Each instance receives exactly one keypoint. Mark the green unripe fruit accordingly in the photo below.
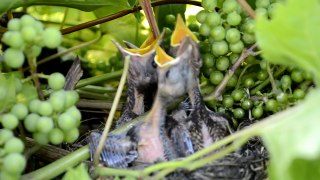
(41, 138)
(45, 124)
(222, 63)
(34, 105)
(9, 121)
(218, 33)
(234, 19)
(14, 163)
(236, 47)
(14, 24)
(233, 35)
(209, 4)
(31, 121)
(45, 108)
(14, 145)
(52, 37)
(19, 110)
(238, 113)
(216, 77)
(66, 121)
(201, 16)
(56, 136)
(56, 81)
(257, 112)
(14, 58)
(213, 19)
(71, 136)
(219, 48)
(5, 135)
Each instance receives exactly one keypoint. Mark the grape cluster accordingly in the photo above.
(26, 36)
(13, 162)
(56, 119)
(225, 30)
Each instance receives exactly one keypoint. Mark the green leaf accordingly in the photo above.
(79, 173)
(84, 5)
(28, 93)
(7, 92)
(292, 37)
(293, 141)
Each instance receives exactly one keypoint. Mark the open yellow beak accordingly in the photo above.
(180, 32)
(148, 45)
(162, 58)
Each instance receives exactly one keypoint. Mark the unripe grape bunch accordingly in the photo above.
(25, 37)
(225, 31)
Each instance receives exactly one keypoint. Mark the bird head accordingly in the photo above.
(174, 74)
(142, 68)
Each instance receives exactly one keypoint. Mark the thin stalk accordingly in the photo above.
(98, 79)
(56, 168)
(66, 10)
(103, 171)
(112, 111)
(220, 88)
(247, 8)
(33, 71)
(271, 78)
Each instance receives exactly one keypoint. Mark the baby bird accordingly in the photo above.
(141, 79)
(173, 76)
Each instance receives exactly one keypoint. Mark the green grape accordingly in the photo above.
(213, 19)
(71, 136)
(41, 138)
(263, 64)
(72, 98)
(233, 35)
(233, 19)
(45, 108)
(31, 121)
(13, 39)
(262, 12)
(297, 76)
(193, 27)
(257, 112)
(28, 33)
(227, 101)
(208, 60)
(14, 145)
(57, 100)
(52, 37)
(45, 124)
(251, 60)
(307, 76)
(232, 81)
(14, 58)
(285, 82)
(216, 77)
(209, 4)
(229, 6)
(27, 20)
(34, 105)
(248, 38)
(56, 81)
(34, 51)
(219, 48)
(218, 33)
(236, 47)
(262, 3)
(14, 24)
(201, 16)
(38, 27)
(75, 113)
(205, 46)
(14, 163)
(56, 136)
(204, 30)
(246, 104)
(222, 63)
(248, 82)
(19, 110)
(206, 72)
(262, 75)
(5, 135)
(170, 19)
(282, 98)
(9, 121)
(298, 94)
(66, 121)
(272, 105)
(234, 58)
(238, 113)
(248, 26)
(237, 94)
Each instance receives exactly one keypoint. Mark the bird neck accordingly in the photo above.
(195, 95)
(157, 113)
(134, 100)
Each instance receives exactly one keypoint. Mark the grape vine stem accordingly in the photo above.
(124, 13)
(247, 8)
(219, 89)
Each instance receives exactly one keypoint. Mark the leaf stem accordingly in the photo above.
(33, 71)
(247, 8)
(112, 111)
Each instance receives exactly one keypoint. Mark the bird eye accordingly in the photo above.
(153, 63)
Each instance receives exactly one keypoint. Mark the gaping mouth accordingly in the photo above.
(147, 46)
(162, 58)
(180, 32)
